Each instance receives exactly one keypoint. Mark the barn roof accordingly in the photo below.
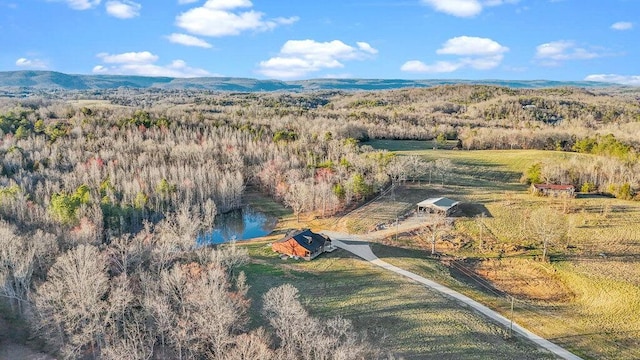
(440, 203)
(307, 239)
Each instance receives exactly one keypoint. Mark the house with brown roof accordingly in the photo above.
(304, 243)
(553, 190)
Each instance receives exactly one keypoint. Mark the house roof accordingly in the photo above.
(553, 187)
(440, 203)
(307, 239)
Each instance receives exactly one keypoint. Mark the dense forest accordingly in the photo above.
(103, 193)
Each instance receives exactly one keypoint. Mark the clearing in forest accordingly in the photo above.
(586, 299)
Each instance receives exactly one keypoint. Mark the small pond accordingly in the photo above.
(241, 224)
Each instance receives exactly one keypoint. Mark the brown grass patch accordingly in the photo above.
(525, 279)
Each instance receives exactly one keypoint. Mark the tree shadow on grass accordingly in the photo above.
(474, 209)
(398, 314)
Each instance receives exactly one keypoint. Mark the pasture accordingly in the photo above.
(587, 298)
(396, 313)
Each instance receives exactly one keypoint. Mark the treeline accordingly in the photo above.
(604, 175)
(144, 152)
(606, 145)
(118, 167)
(173, 149)
(154, 295)
(481, 116)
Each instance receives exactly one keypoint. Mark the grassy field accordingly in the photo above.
(587, 298)
(397, 314)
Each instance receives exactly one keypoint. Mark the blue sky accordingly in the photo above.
(299, 39)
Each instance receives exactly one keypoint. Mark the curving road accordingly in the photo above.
(359, 247)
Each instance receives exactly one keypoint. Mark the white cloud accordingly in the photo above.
(469, 45)
(464, 8)
(483, 63)
(298, 58)
(622, 25)
(224, 18)
(338, 76)
(417, 66)
(336, 49)
(633, 80)
(555, 52)
(286, 21)
(32, 64)
(143, 63)
(188, 40)
(80, 4)
(227, 4)
(142, 57)
(123, 9)
(473, 52)
(499, 2)
(460, 8)
(366, 48)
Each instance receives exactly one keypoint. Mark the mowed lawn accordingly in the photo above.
(395, 313)
(587, 298)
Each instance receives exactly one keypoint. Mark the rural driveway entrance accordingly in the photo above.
(360, 248)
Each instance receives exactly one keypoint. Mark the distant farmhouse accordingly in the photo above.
(553, 190)
(440, 205)
(304, 243)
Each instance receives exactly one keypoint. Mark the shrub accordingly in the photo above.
(588, 187)
(64, 207)
(625, 192)
(533, 175)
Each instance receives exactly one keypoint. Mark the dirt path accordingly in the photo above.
(360, 247)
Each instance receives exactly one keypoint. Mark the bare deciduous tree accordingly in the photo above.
(548, 228)
(70, 305)
(443, 167)
(251, 346)
(17, 261)
(303, 337)
(437, 222)
(296, 197)
(399, 169)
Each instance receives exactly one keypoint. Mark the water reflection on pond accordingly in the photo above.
(242, 224)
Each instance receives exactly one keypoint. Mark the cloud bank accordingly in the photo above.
(556, 52)
(188, 40)
(123, 9)
(80, 4)
(622, 25)
(298, 58)
(633, 80)
(144, 63)
(35, 64)
(217, 18)
(472, 52)
(464, 8)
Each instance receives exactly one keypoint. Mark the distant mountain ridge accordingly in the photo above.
(51, 80)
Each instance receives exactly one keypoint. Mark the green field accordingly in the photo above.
(395, 313)
(587, 298)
